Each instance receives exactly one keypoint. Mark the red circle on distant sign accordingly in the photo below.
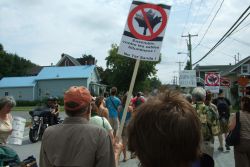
(142, 7)
(215, 83)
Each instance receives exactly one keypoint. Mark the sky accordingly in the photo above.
(41, 31)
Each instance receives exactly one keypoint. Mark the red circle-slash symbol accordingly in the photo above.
(152, 33)
(212, 79)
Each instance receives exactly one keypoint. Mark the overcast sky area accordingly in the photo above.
(42, 30)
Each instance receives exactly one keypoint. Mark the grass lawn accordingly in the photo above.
(29, 108)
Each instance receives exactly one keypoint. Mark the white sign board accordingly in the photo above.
(187, 78)
(144, 31)
(18, 126)
(212, 82)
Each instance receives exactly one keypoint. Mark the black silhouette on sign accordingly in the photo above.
(153, 20)
(212, 79)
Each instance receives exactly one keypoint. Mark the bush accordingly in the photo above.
(28, 103)
(37, 102)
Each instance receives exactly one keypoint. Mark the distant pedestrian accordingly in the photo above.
(127, 120)
(138, 100)
(112, 103)
(203, 112)
(165, 132)
(213, 116)
(188, 97)
(7, 155)
(6, 104)
(100, 103)
(223, 106)
(242, 151)
(97, 119)
(75, 142)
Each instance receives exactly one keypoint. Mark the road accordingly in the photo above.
(222, 159)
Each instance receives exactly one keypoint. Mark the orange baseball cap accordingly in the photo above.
(79, 95)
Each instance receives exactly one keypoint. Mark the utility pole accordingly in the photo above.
(237, 58)
(180, 64)
(189, 46)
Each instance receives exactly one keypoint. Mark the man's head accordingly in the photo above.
(199, 94)
(221, 93)
(208, 97)
(77, 101)
(113, 91)
(139, 94)
(51, 101)
(165, 132)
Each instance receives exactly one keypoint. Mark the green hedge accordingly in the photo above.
(36, 102)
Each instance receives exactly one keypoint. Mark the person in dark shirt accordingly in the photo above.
(223, 106)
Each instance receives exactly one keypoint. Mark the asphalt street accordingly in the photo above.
(222, 159)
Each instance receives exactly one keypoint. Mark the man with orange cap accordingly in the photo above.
(75, 142)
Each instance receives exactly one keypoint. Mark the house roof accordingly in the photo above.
(72, 59)
(239, 63)
(54, 72)
(34, 70)
(17, 82)
(219, 68)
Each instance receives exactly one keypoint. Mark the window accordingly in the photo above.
(6, 93)
(245, 69)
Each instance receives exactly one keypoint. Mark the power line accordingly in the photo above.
(210, 24)
(196, 13)
(190, 6)
(207, 17)
(227, 34)
(226, 54)
(241, 42)
(241, 28)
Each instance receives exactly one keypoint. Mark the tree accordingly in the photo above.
(188, 66)
(1, 48)
(13, 65)
(87, 60)
(120, 69)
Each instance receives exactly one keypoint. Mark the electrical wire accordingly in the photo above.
(210, 13)
(227, 34)
(196, 13)
(226, 54)
(187, 19)
(209, 25)
(241, 42)
(241, 28)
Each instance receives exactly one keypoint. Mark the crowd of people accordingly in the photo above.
(168, 130)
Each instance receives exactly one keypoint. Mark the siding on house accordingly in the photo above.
(52, 81)
(56, 87)
(19, 93)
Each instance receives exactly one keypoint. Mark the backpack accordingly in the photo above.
(214, 119)
(204, 116)
(138, 102)
(223, 108)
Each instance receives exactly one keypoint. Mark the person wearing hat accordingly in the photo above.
(75, 142)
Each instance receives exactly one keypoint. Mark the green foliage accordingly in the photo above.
(28, 103)
(13, 65)
(87, 59)
(120, 69)
(188, 66)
